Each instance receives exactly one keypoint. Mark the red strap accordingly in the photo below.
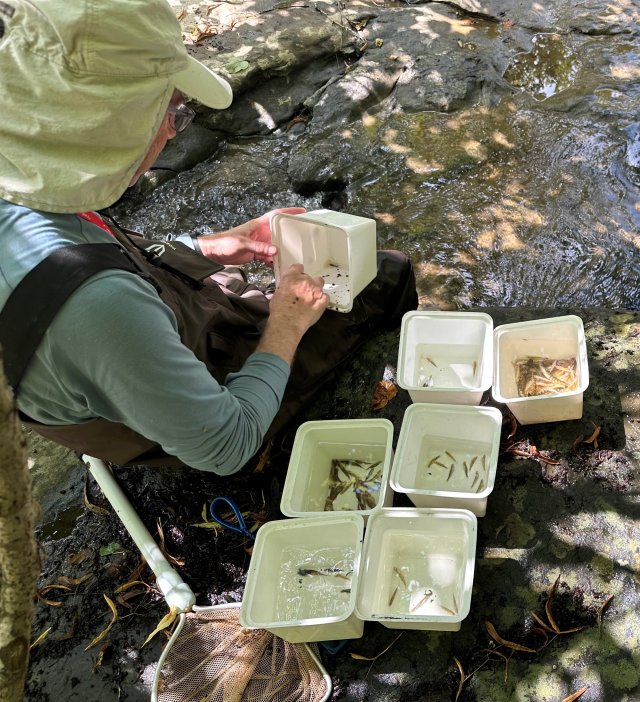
(95, 219)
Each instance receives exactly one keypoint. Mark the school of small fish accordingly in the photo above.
(362, 478)
(539, 375)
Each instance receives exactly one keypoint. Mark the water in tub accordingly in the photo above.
(446, 366)
(422, 574)
(453, 466)
(315, 583)
(337, 285)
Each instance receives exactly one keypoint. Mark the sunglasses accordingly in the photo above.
(181, 117)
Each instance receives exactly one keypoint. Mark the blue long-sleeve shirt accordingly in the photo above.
(113, 351)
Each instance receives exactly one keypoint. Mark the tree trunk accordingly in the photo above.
(18, 555)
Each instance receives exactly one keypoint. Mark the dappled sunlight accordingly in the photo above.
(475, 149)
(502, 140)
(423, 167)
(264, 116)
(486, 238)
(385, 217)
(346, 134)
(625, 71)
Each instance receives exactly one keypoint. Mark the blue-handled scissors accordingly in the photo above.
(225, 503)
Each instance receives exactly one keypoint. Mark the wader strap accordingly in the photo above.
(40, 295)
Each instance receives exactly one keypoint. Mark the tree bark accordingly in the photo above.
(18, 554)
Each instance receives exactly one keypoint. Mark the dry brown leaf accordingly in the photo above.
(601, 609)
(40, 638)
(576, 695)
(72, 630)
(514, 428)
(66, 580)
(494, 651)
(547, 607)
(578, 440)
(264, 457)
(179, 562)
(166, 621)
(503, 642)
(52, 603)
(383, 392)
(89, 505)
(79, 556)
(542, 623)
(130, 584)
(100, 656)
(593, 438)
(114, 619)
(463, 677)
(358, 657)
(181, 13)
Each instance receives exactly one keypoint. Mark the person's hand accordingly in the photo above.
(296, 305)
(250, 241)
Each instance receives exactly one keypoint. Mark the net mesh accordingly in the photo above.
(215, 659)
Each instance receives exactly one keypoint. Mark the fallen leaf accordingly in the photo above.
(601, 609)
(463, 677)
(52, 603)
(542, 623)
(66, 580)
(236, 66)
(89, 505)
(79, 556)
(180, 14)
(130, 584)
(110, 549)
(514, 428)
(379, 42)
(166, 621)
(264, 457)
(593, 438)
(493, 651)
(40, 638)
(100, 657)
(547, 609)
(384, 391)
(503, 642)
(358, 657)
(576, 695)
(114, 619)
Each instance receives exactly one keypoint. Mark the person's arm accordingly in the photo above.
(118, 352)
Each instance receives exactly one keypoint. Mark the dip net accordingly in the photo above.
(212, 658)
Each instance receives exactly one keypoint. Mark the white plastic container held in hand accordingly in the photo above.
(541, 369)
(339, 465)
(303, 578)
(339, 247)
(417, 568)
(447, 456)
(446, 356)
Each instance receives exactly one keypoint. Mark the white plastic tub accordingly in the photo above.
(322, 450)
(339, 247)
(446, 356)
(417, 568)
(302, 579)
(447, 456)
(553, 338)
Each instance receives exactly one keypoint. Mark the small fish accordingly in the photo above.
(473, 460)
(393, 596)
(309, 571)
(466, 469)
(450, 456)
(400, 574)
(481, 486)
(475, 477)
(484, 462)
(424, 600)
(455, 602)
(433, 460)
(426, 358)
(347, 590)
(428, 382)
(475, 366)
(437, 463)
(450, 471)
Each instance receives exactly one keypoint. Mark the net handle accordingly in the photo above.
(176, 592)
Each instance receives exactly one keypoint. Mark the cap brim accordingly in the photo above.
(199, 82)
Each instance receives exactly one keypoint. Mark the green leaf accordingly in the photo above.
(110, 549)
(236, 66)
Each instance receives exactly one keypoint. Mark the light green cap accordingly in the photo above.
(85, 85)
